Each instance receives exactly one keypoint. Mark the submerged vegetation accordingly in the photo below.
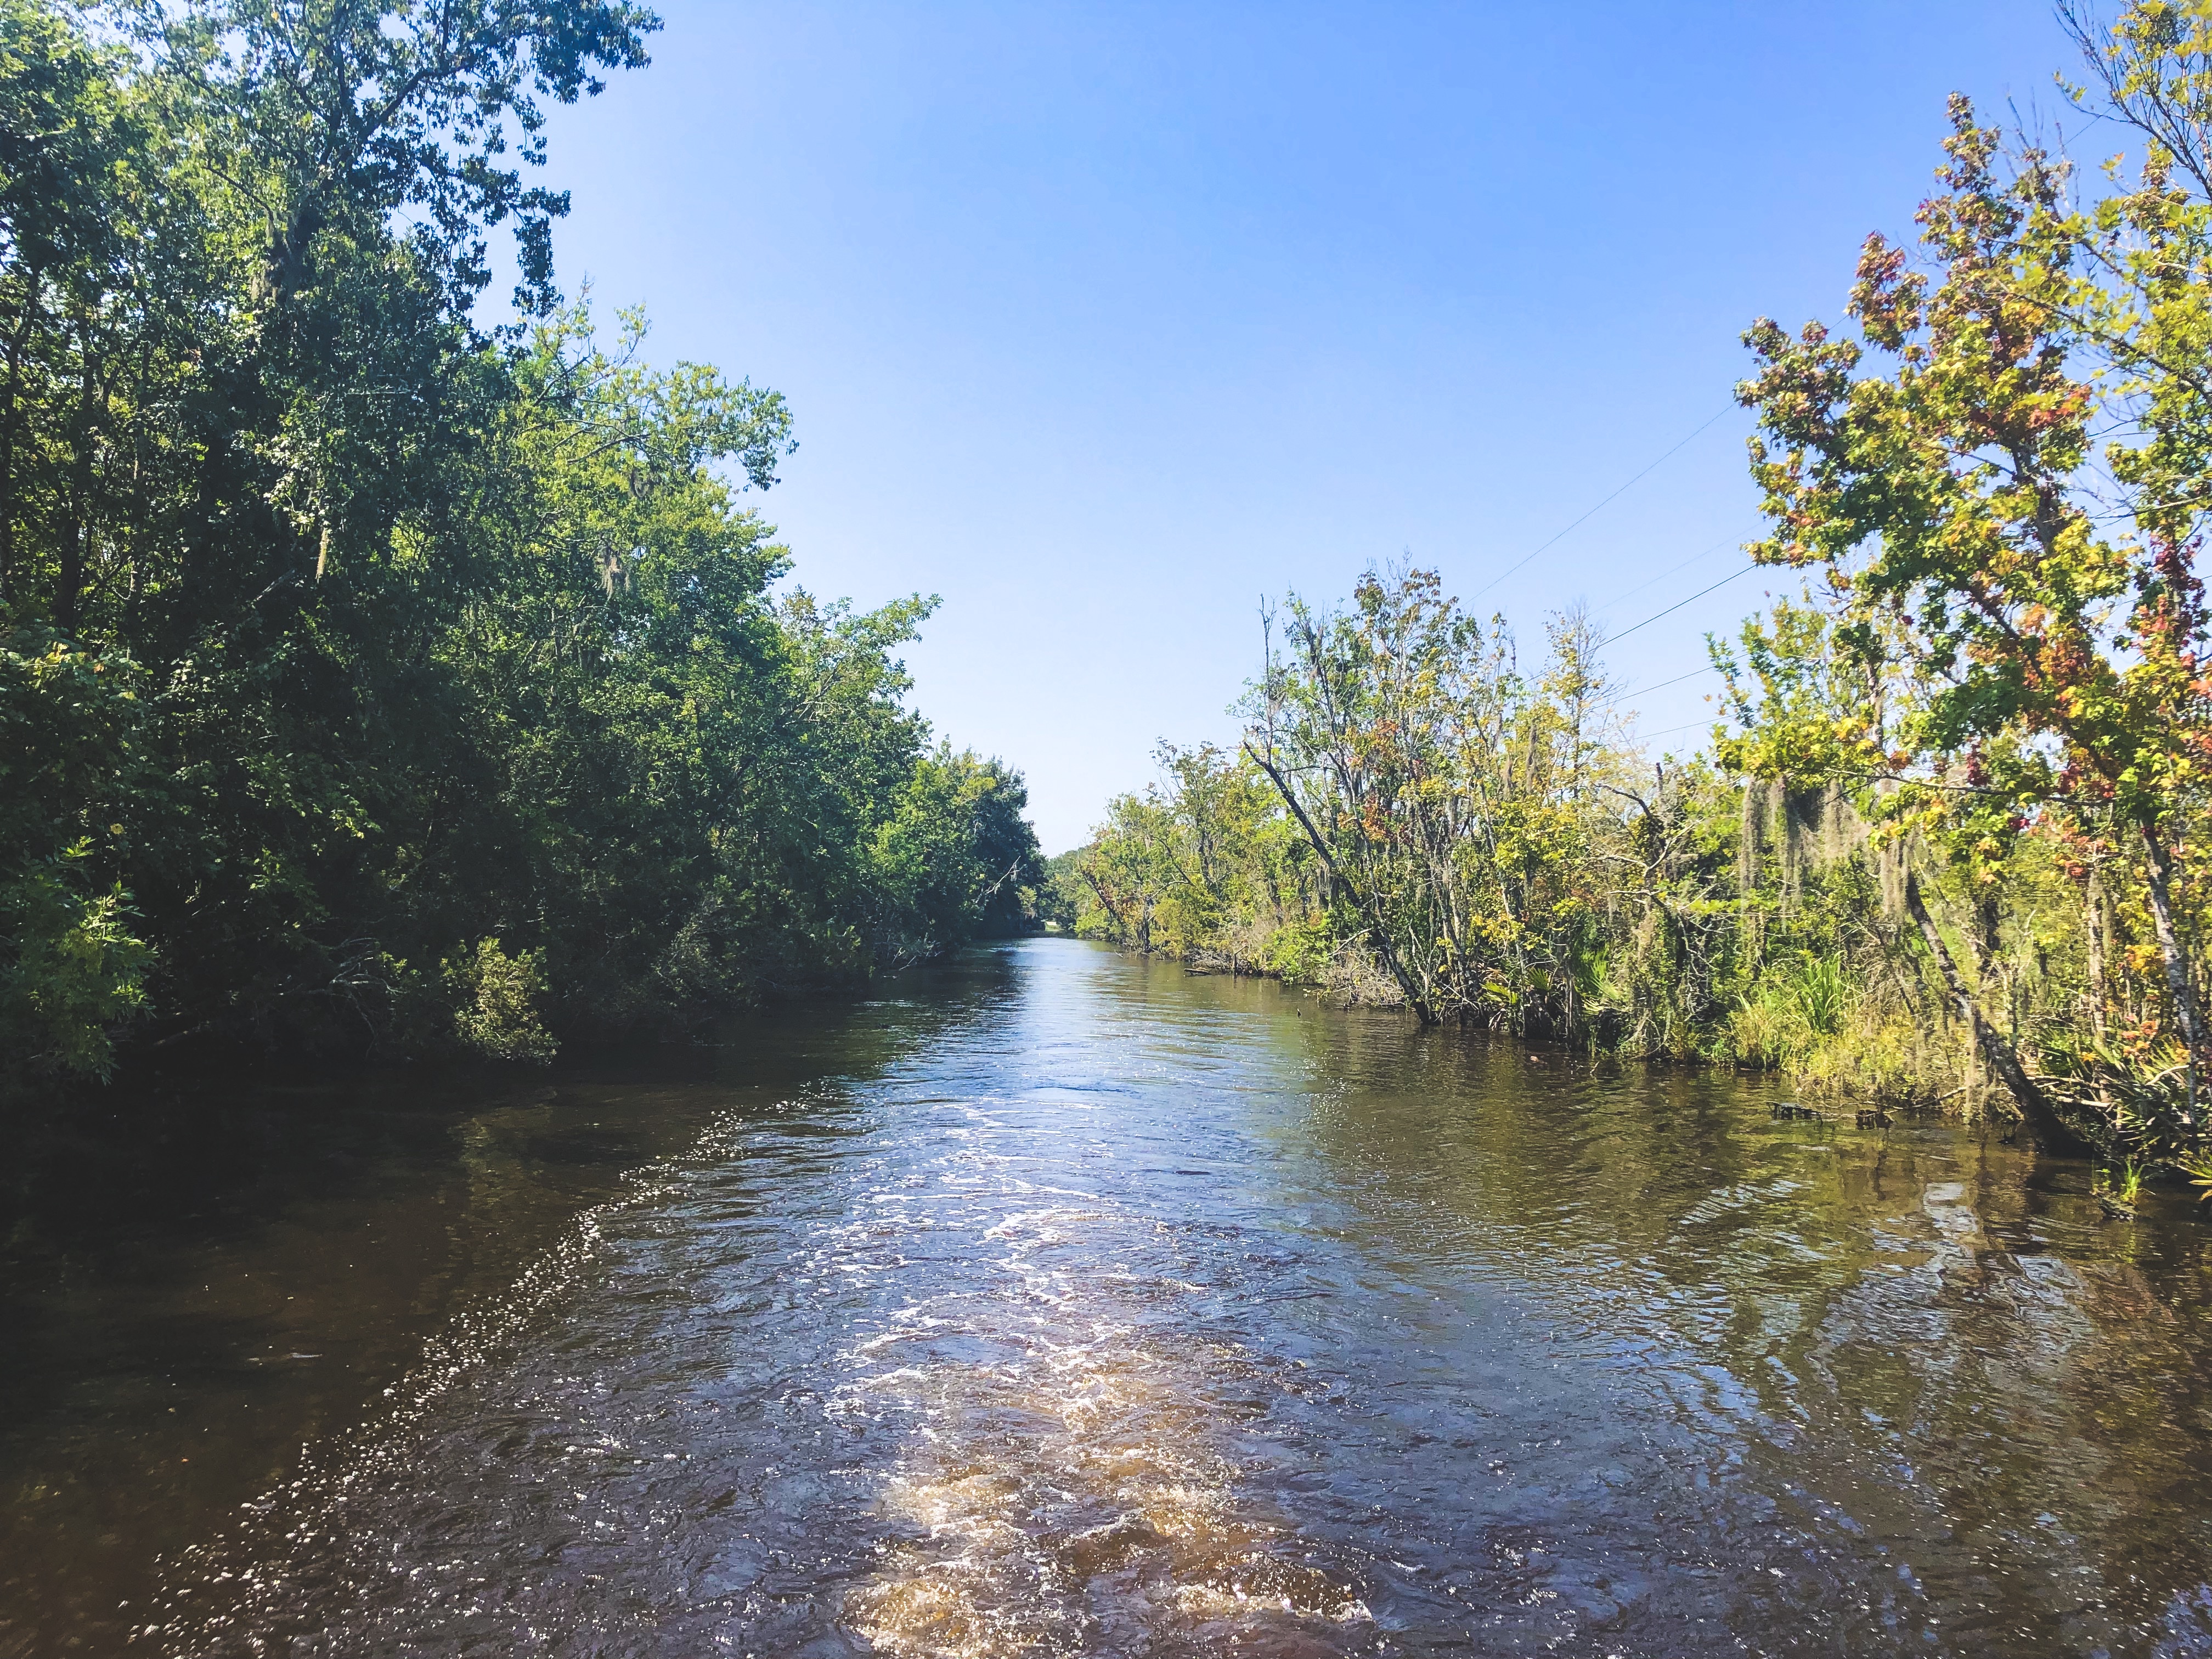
(372, 679)
(1950, 845)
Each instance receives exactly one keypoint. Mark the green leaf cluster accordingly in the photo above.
(371, 682)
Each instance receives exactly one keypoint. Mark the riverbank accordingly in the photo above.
(1410, 817)
(1828, 1074)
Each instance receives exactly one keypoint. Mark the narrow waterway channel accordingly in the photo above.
(1064, 1302)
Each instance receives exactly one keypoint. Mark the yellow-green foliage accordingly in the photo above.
(78, 976)
(1794, 1010)
(1811, 1021)
(1205, 867)
(495, 995)
(1412, 820)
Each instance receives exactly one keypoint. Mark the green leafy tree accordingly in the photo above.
(1953, 506)
(374, 681)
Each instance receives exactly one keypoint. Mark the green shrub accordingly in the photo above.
(496, 1003)
(76, 976)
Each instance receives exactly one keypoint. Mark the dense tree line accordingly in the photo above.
(1954, 839)
(372, 679)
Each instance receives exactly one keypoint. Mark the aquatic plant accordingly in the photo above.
(2140, 1087)
(2197, 1166)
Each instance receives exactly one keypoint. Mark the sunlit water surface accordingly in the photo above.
(1070, 1304)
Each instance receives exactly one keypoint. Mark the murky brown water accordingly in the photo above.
(1071, 1304)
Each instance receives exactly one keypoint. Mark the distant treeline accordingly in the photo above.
(371, 681)
(1953, 841)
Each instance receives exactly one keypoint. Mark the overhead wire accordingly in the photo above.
(1732, 576)
(1593, 512)
(1685, 564)
(1695, 673)
(1638, 690)
(1672, 569)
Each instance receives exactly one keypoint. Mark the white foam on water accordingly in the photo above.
(1066, 1481)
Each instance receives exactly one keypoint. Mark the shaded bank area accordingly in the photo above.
(1068, 1302)
(197, 1286)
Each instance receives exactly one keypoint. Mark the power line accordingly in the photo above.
(1638, 690)
(1679, 604)
(1670, 570)
(1624, 488)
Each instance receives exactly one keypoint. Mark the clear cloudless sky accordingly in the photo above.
(1103, 322)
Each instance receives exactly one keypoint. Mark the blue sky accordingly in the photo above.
(1103, 322)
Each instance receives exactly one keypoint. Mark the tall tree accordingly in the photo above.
(2031, 591)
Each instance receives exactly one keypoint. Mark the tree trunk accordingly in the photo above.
(1110, 909)
(2159, 874)
(74, 541)
(68, 579)
(2051, 1131)
(2098, 978)
(9, 412)
(1414, 999)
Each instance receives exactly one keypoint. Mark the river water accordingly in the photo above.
(1065, 1303)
